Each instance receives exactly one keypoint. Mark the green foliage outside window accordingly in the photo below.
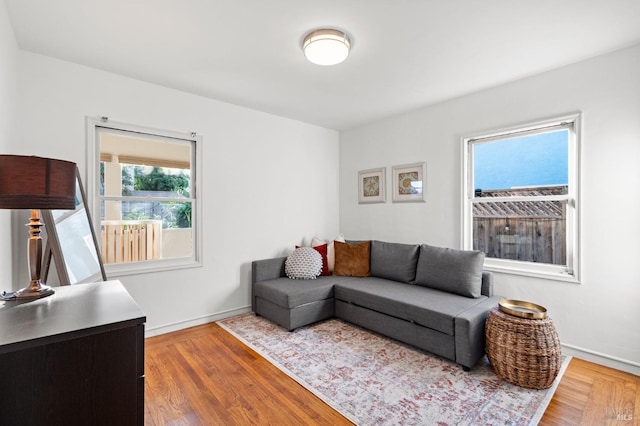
(173, 214)
(158, 180)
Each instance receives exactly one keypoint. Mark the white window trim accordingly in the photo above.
(570, 273)
(93, 159)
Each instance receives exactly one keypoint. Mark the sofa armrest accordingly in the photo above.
(487, 284)
(266, 269)
(469, 332)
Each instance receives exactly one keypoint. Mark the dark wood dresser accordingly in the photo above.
(73, 358)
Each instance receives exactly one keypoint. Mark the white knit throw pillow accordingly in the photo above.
(303, 263)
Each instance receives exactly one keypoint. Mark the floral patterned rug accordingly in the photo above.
(373, 380)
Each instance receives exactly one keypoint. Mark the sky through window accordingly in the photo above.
(527, 161)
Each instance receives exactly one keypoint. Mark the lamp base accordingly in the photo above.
(34, 292)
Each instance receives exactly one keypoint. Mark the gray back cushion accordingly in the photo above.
(394, 261)
(455, 271)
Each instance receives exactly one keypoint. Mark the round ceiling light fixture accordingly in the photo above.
(326, 46)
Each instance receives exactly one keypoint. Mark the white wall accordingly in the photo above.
(8, 130)
(599, 316)
(268, 182)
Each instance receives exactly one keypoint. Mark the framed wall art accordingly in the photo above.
(408, 182)
(371, 186)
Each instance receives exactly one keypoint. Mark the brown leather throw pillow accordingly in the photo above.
(353, 260)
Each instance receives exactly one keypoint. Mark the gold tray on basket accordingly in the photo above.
(522, 309)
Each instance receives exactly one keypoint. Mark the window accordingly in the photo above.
(143, 184)
(521, 198)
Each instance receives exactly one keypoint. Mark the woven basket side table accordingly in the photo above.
(525, 352)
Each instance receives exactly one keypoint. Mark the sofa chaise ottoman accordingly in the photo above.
(436, 299)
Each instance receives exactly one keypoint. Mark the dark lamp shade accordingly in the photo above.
(37, 183)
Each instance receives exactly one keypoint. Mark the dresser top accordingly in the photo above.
(72, 311)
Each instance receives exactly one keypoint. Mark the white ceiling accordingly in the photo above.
(406, 53)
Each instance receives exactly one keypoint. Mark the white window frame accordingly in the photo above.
(568, 273)
(93, 126)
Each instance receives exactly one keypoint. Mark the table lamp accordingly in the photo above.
(28, 182)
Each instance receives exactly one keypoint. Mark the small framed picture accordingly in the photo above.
(371, 187)
(408, 182)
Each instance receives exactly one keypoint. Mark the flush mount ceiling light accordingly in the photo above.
(326, 46)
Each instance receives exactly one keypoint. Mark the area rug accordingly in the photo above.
(373, 380)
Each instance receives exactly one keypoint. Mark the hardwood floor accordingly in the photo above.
(205, 376)
(591, 394)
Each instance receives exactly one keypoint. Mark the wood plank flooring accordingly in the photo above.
(205, 376)
(591, 394)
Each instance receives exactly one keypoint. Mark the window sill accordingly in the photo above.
(135, 268)
(545, 272)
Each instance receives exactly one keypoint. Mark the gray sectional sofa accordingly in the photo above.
(433, 298)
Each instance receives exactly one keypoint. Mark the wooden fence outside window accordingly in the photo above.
(130, 240)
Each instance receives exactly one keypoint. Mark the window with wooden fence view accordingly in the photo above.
(145, 198)
(520, 203)
(533, 231)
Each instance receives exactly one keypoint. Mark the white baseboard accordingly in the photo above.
(602, 359)
(167, 328)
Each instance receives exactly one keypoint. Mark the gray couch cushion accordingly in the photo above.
(290, 293)
(394, 261)
(427, 307)
(455, 271)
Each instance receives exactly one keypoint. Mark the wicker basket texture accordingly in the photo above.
(525, 352)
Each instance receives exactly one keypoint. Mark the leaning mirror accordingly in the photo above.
(72, 243)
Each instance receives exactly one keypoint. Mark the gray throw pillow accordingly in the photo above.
(394, 261)
(451, 270)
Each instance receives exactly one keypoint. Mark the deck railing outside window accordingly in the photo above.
(130, 240)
